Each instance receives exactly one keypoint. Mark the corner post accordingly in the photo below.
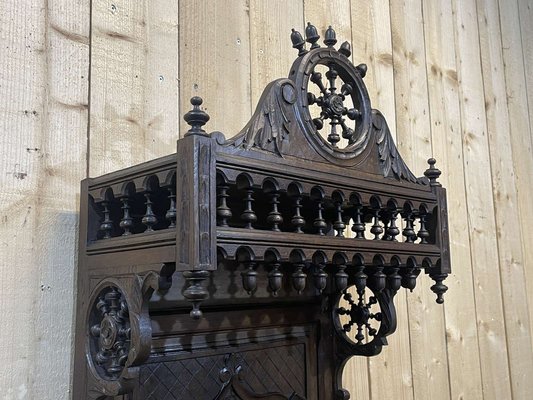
(440, 272)
(196, 200)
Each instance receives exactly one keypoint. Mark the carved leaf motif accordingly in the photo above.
(390, 160)
(270, 126)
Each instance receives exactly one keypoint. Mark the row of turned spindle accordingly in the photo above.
(395, 278)
(388, 217)
(127, 223)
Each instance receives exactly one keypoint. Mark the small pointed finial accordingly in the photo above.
(196, 118)
(345, 49)
(312, 36)
(362, 68)
(330, 38)
(298, 42)
(432, 173)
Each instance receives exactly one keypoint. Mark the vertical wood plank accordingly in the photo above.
(426, 319)
(116, 136)
(134, 86)
(42, 152)
(515, 62)
(160, 78)
(481, 225)
(461, 329)
(270, 44)
(215, 62)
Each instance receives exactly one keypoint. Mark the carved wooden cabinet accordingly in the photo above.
(254, 267)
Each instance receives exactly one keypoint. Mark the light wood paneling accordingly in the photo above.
(506, 207)
(43, 123)
(215, 62)
(481, 224)
(270, 44)
(461, 329)
(134, 83)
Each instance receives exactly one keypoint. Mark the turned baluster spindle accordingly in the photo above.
(249, 277)
(408, 231)
(223, 211)
(338, 224)
(320, 277)
(107, 225)
(423, 234)
(394, 280)
(358, 225)
(126, 223)
(359, 336)
(170, 216)
(248, 215)
(297, 220)
(409, 276)
(385, 220)
(376, 229)
(392, 229)
(298, 277)
(341, 278)
(149, 219)
(274, 217)
(320, 222)
(379, 279)
(275, 277)
(360, 279)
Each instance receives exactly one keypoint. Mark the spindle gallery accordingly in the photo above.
(276, 253)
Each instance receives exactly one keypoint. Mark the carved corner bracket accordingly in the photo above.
(119, 333)
(364, 315)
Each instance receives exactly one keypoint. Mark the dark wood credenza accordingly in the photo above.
(255, 267)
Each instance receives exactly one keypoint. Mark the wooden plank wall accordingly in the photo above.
(453, 77)
(44, 61)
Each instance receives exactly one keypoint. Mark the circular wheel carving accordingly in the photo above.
(359, 316)
(109, 333)
(333, 103)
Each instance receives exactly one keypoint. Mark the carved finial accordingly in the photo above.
(432, 173)
(195, 293)
(312, 36)
(362, 68)
(330, 38)
(298, 42)
(196, 118)
(346, 49)
(439, 288)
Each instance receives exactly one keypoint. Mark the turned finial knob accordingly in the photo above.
(432, 173)
(330, 38)
(345, 49)
(312, 36)
(298, 42)
(362, 68)
(196, 118)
